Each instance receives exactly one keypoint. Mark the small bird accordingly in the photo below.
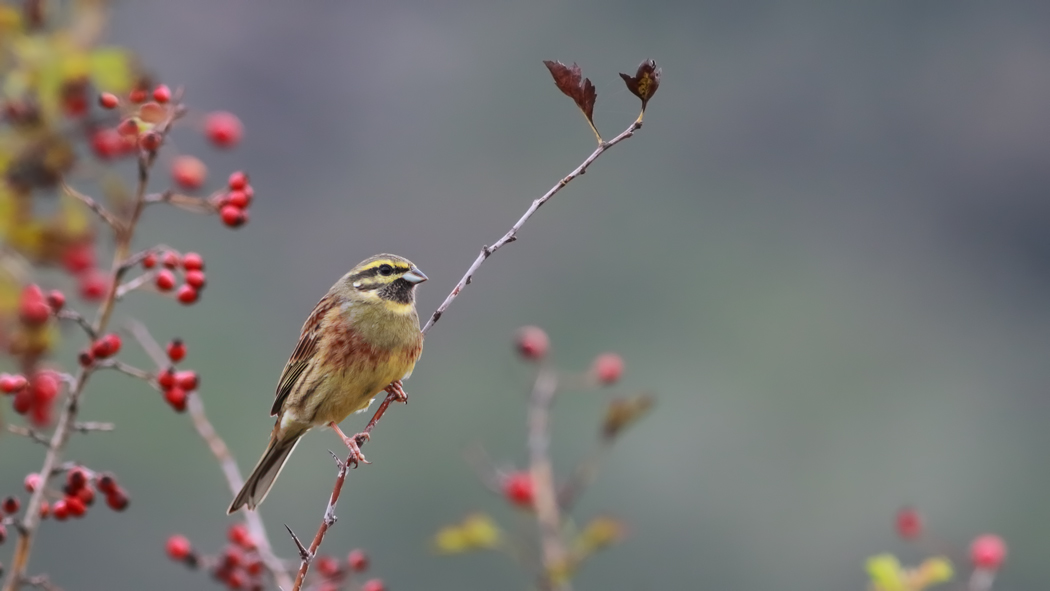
(362, 338)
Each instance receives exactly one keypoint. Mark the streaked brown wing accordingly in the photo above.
(303, 353)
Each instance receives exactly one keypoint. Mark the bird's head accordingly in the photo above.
(385, 277)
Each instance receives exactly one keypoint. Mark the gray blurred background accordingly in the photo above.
(827, 251)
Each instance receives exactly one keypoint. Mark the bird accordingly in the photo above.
(362, 338)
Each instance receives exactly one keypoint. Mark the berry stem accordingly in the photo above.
(545, 496)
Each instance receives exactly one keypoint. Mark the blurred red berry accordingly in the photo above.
(188, 172)
(44, 386)
(187, 380)
(170, 259)
(79, 257)
(117, 500)
(238, 199)
(75, 506)
(166, 379)
(235, 579)
(608, 368)
(517, 488)
(224, 129)
(178, 547)
(108, 101)
(233, 216)
(150, 141)
(76, 478)
(85, 358)
(327, 566)
(254, 566)
(86, 496)
(59, 510)
(909, 523)
(162, 94)
(107, 143)
(165, 280)
(93, 284)
(373, 585)
(192, 261)
(137, 96)
(23, 402)
(149, 261)
(176, 350)
(238, 534)
(56, 300)
(237, 180)
(31, 482)
(196, 279)
(107, 345)
(106, 483)
(532, 342)
(232, 557)
(11, 505)
(358, 561)
(10, 384)
(187, 294)
(32, 308)
(988, 552)
(176, 398)
(45, 509)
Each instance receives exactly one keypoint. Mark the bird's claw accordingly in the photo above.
(354, 445)
(396, 390)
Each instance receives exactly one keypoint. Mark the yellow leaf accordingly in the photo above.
(885, 573)
(481, 531)
(450, 540)
(111, 69)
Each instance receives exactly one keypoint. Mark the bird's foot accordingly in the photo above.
(352, 443)
(396, 390)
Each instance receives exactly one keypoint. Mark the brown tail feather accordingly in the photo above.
(266, 471)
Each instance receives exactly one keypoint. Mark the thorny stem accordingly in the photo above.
(222, 454)
(512, 234)
(124, 232)
(555, 561)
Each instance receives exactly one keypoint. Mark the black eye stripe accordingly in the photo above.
(376, 270)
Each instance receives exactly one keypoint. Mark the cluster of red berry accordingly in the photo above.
(34, 395)
(177, 385)
(192, 267)
(77, 495)
(233, 204)
(532, 343)
(239, 565)
(987, 551)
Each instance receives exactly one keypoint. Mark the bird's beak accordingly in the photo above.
(414, 275)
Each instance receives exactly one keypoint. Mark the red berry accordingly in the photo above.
(106, 483)
(171, 259)
(10, 384)
(75, 506)
(909, 523)
(607, 368)
(178, 547)
(187, 294)
(117, 500)
(188, 172)
(532, 342)
(79, 257)
(235, 580)
(75, 480)
(373, 585)
(41, 415)
(192, 261)
(254, 566)
(988, 552)
(166, 379)
(237, 180)
(93, 284)
(238, 534)
(150, 141)
(107, 143)
(106, 346)
(85, 358)
(128, 128)
(32, 482)
(45, 510)
(233, 216)
(59, 510)
(56, 300)
(327, 566)
(232, 557)
(11, 505)
(223, 129)
(149, 261)
(86, 496)
(44, 386)
(32, 309)
(108, 101)
(137, 96)
(517, 488)
(176, 350)
(23, 402)
(187, 380)
(165, 280)
(238, 199)
(195, 279)
(358, 561)
(176, 397)
(162, 94)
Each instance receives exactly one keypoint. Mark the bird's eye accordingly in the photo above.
(385, 269)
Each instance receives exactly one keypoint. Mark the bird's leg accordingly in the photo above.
(396, 390)
(356, 457)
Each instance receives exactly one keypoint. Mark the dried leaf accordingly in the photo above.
(644, 82)
(622, 412)
(477, 532)
(570, 81)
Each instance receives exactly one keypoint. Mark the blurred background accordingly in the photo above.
(827, 252)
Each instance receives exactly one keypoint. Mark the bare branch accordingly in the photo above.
(27, 432)
(124, 368)
(134, 284)
(71, 314)
(96, 207)
(93, 426)
(512, 234)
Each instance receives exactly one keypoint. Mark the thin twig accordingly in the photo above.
(512, 234)
(88, 426)
(135, 283)
(124, 368)
(555, 558)
(222, 454)
(27, 432)
(106, 215)
(71, 314)
(41, 582)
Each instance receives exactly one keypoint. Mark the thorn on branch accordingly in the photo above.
(338, 461)
(304, 554)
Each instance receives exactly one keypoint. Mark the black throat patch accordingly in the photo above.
(400, 291)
